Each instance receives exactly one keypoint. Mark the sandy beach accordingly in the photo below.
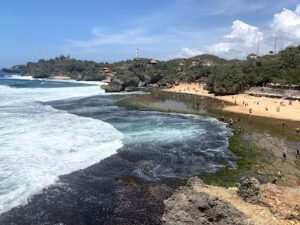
(60, 78)
(244, 103)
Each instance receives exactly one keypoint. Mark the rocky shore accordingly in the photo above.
(249, 203)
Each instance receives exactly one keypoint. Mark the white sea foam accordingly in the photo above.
(12, 96)
(13, 76)
(38, 143)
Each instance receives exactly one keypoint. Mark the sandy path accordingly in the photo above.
(243, 103)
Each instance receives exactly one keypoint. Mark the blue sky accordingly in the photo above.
(112, 30)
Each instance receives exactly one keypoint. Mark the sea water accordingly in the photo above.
(38, 143)
(50, 128)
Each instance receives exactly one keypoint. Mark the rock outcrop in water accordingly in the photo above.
(115, 85)
(251, 203)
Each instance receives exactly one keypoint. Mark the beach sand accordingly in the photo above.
(60, 78)
(242, 103)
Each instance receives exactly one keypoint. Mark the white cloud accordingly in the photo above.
(102, 37)
(233, 7)
(286, 25)
(242, 40)
(188, 52)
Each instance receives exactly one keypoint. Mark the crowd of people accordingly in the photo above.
(254, 106)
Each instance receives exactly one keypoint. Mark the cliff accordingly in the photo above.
(249, 203)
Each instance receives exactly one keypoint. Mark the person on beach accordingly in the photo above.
(222, 118)
(274, 180)
(283, 124)
(250, 110)
(297, 154)
(284, 153)
(240, 129)
(230, 121)
(222, 105)
(297, 130)
(279, 174)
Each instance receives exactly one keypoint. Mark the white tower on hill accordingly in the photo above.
(137, 54)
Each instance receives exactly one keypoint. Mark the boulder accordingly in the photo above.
(188, 206)
(155, 78)
(248, 189)
(116, 85)
(131, 83)
(131, 89)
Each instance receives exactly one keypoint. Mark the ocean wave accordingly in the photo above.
(11, 95)
(39, 143)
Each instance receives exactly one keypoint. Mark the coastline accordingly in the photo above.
(242, 103)
(261, 159)
(130, 186)
(108, 192)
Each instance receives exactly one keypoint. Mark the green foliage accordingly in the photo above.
(63, 66)
(226, 80)
(223, 76)
(234, 77)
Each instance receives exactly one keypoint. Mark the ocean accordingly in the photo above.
(63, 145)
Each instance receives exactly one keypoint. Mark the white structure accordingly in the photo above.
(137, 54)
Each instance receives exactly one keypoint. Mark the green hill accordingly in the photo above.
(221, 76)
(234, 77)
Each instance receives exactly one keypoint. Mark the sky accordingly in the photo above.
(107, 31)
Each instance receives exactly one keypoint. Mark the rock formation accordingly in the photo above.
(250, 203)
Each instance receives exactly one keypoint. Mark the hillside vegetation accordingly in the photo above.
(221, 76)
(282, 68)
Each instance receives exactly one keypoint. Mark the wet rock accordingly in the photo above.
(131, 89)
(115, 85)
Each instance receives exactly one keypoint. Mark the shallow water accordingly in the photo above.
(178, 145)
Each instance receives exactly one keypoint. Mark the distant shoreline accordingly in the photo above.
(60, 78)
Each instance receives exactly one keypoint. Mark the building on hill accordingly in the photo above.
(180, 67)
(283, 86)
(202, 62)
(252, 56)
(196, 62)
(207, 63)
(153, 61)
(109, 75)
(106, 70)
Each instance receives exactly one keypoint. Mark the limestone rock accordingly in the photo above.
(248, 189)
